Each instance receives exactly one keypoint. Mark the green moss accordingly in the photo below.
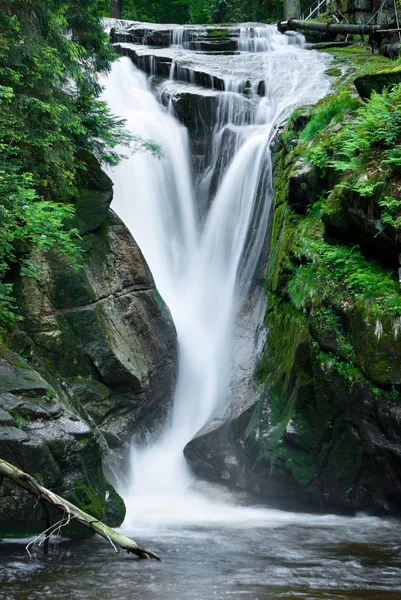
(262, 369)
(288, 329)
(115, 507)
(216, 33)
(329, 362)
(343, 463)
(357, 57)
(334, 72)
(159, 299)
(377, 81)
(324, 298)
(85, 497)
(301, 465)
(287, 332)
(89, 491)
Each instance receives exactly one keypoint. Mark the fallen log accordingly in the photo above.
(71, 512)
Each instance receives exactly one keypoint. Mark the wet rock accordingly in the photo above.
(5, 418)
(216, 454)
(52, 444)
(217, 39)
(161, 63)
(15, 377)
(94, 363)
(305, 186)
(103, 333)
(376, 82)
(196, 108)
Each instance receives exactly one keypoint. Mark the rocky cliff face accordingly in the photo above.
(93, 363)
(325, 430)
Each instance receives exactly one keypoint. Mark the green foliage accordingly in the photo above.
(391, 211)
(327, 112)
(329, 322)
(358, 142)
(202, 11)
(345, 368)
(51, 52)
(48, 397)
(334, 274)
(377, 123)
(361, 141)
(20, 420)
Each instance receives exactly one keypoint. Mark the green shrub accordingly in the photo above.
(335, 274)
(50, 117)
(362, 143)
(376, 124)
(329, 111)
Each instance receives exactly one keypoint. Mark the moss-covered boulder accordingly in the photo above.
(53, 444)
(376, 82)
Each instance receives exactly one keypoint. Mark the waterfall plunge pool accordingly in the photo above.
(218, 551)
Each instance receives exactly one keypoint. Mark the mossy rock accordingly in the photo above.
(325, 423)
(377, 343)
(92, 209)
(115, 507)
(376, 82)
(333, 72)
(17, 376)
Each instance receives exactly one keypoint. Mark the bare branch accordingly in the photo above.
(71, 511)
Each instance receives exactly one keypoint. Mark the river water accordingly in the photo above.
(215, 545)
(232, 552)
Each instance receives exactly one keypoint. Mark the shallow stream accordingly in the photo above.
(218, 551)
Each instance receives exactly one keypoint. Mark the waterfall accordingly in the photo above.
(204, 262)
(264, 38)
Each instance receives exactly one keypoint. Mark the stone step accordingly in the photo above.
(220, 39)
(196, 69)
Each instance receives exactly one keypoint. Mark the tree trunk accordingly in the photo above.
(72, 512)
(292, 9)
(116, 9)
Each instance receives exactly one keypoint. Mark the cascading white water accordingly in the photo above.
(203, 265)
(177, 37)
(264, 38)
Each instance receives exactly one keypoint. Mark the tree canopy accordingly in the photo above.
(200, 11)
